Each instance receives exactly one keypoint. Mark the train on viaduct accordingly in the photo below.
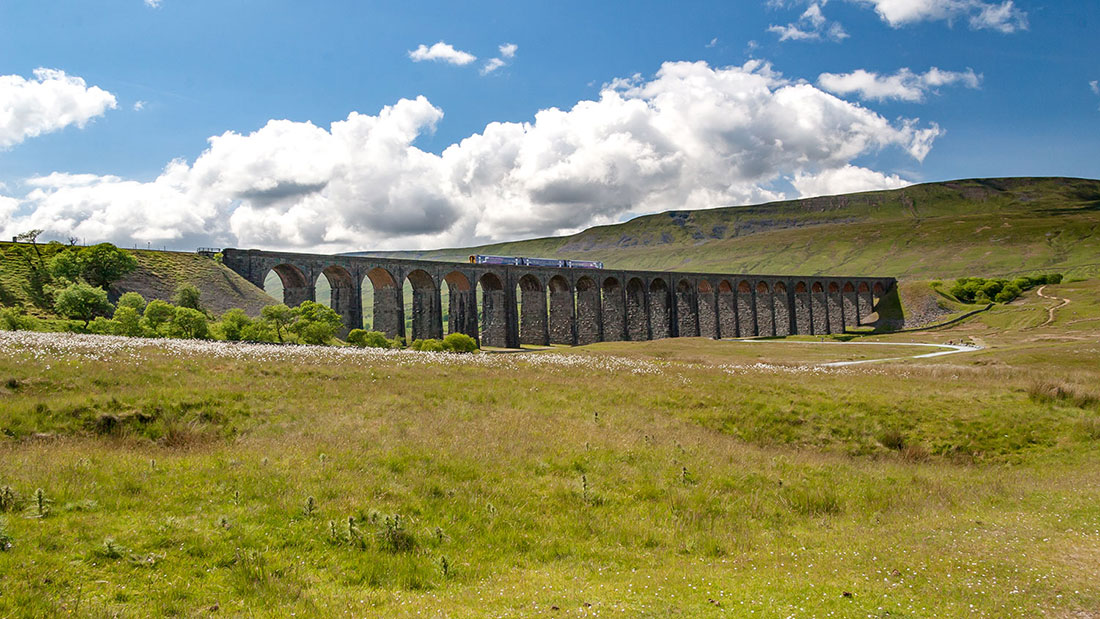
(551, 305)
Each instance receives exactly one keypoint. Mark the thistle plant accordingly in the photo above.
(8, 499)
(41, 503)
(111, 549)
(6, 540)
(311, 506)
(584, 487)
(444, 566)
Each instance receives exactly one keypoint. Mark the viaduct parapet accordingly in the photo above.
(547, 305)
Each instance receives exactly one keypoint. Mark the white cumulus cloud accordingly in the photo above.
(1003, 16)
(904, 85)
(508, 50)
(50, 101)
(692, 136)
(846, 179)
(812, 25)
(441, 52)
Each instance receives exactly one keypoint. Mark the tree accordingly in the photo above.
(189, 323)
(79, 301)
(158, 315)
(128, 320)
(258, 331)
(232, 324)
(132, 300)
(103, 264)
(64, 265)
(280, 316)
(187, 295)
(315, 323)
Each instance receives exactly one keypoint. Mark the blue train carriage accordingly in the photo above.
(535, 262)
(583, 264)
(508, 260)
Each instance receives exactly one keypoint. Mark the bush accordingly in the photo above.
(132, 300)
(368, 339)
(459, 342)
(189, 323)
(259, 331)
(315, 323)
(188, 296)
(14, 320)
(428, 345)
(128, 320)
(397, 342)
(81, 301)
(232, 324)
(158, 315)
(103, 326)
(1007, 294)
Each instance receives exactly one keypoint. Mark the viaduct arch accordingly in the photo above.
(544, 305)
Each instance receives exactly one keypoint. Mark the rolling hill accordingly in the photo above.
(985, 227)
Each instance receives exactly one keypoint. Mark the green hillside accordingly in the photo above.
(949, 229)
(158, 275)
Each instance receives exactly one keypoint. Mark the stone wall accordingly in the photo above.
(584, 306)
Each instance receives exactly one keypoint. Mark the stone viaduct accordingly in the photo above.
(583, 305)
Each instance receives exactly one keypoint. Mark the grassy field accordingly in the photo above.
(988, 227)
(669, 478)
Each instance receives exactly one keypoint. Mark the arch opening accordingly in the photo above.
(613, 306)
(588, 318)
(383, 309)
(637, 311)
(422, 306)
(287, 283)
(659, 314)
(492, 312)
(532, 311)
(687, 316)
(461, 304)
(562, 319)
(335, 288)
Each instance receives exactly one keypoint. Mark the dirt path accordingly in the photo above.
(1050, 311)
(946, 349)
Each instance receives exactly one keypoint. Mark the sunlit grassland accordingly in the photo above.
(676, 478)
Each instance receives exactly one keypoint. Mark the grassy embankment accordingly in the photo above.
(990, 227)
(158, 276)
(649, 479)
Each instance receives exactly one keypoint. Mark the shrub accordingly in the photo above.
(259, 331)
(315, 323)
(892, 439)
(132, 300)
(428, 345)
(103, 326)
(128, 320)
(189, 323)
(368, 339)
(459, 342)
(1007, 294)
(80, 301)
(14, 320)
(1050, 392)
(158, 315)
(232, 324)
(397, 342)
(188, 296)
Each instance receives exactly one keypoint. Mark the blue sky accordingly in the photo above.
(714, 106)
